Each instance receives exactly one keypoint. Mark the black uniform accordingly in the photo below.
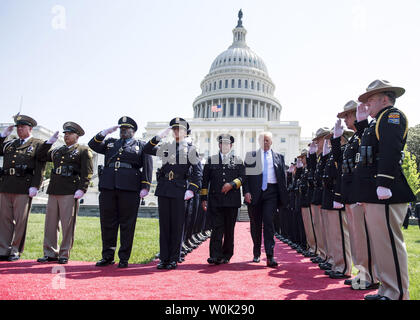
(222, 207)
(379, 159)
(181, 171)
(127, 170)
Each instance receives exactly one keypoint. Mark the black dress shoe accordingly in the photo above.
(325, 266)
(161, 265)
(46, 259)
(63, 260)
(349, 282)
(328, 272)
(338, 275)
(13, 258)
(271, 263)
(123, 264)
(221, 261)
(376, 297)
(365, 286)
(211, 261)
(4, 258)
(171, 265)
(256, 259)
(104, 262)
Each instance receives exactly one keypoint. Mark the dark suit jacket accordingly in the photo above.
(253, 176)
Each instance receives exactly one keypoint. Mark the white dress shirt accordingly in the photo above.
(271, 174)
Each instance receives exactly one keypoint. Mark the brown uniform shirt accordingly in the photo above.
(23, 165)
(73, 169)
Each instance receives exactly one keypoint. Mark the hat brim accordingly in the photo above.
(320, 136)
(398, 93)
(342, 115)
(179, 126)
(128, 125)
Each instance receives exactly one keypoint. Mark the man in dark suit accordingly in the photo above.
(125, 179)
(265, 191)
(224, 172)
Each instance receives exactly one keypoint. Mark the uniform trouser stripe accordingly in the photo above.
(313, 229)
(343, 241)
(394, 253)
(22, 242)
(369, 252)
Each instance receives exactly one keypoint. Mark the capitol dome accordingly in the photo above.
(238, 83)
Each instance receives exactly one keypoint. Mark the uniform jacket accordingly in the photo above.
(304, 194)
(254, 177)
(330, 180)
(346, 160)
(181, 168)
(317, 165)
(379, 159)
(73, 169)
(27, 157)
(114, 175)
(216, 174)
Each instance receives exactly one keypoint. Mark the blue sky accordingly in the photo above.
(146, 59)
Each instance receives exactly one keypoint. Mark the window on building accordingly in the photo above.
(238, 109)
(233, 83)
(246, 84)
(258, 86)
(214, 85)
(263, 87)
(246, 110)
(282, 140)
(252, 85)
(231, 110)
(224, 109)
(239, 83)
(226, 83)
(220, 84)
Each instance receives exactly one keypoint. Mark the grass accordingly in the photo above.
(87, 240)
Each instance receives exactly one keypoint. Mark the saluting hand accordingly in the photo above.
(6, 132)
(313, 148)
(338, 129)
(163, 133)
(361, 112)
(53, 138)
(110, 130)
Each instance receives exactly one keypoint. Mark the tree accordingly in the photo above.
(413, 143)
(411, 172)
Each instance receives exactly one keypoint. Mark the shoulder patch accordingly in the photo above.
(394, 118)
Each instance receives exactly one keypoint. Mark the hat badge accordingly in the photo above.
(18, 118)
(124, 119)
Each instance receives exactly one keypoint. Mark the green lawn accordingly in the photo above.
(87, 241)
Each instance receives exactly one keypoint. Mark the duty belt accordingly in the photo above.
(18, 172)
(118, 164)
(65, 171)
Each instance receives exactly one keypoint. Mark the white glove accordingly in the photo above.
(6, 132)
(338, 129)
(163, 133)
(326, 149)
(299, 163)
(53, 138)
(144, 193)
(361, 112)
(79, 194)
(383, 193)
(110, 130)
(188, 195)
(313, 148)
(338, 205)
(33, 192)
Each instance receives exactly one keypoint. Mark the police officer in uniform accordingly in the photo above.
(222, 179)
(20, 180)
(382, 187)
(70, 177)
(178, 180)
(126, 177)
(359, 237)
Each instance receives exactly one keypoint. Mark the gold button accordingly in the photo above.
(118, 158)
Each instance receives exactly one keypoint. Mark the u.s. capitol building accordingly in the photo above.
(238, 82)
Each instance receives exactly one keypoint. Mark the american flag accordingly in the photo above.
(217, 108)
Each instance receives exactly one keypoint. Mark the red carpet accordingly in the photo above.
(295, 278)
